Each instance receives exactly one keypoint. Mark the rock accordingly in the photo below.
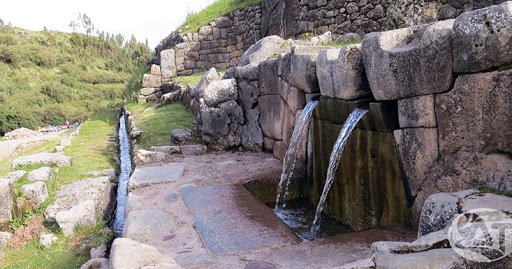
(148, 175)
(20, 133)
(323, 38)
(41, 174)
(444, 258)
(220, 91)
(96, 263)
(279, 150)
(129, 254)
(167, 149)
(148, 157)
(361, 264)
(298, 68)
(35, 193)
(477, 110)
(437, 213)
(341, 73)
(260, 265)
(99, 252)
(155, 70)
(417, 112)
(170, 97)
(151, 81)
(210, 76)
(66, 142)
(4, 239)
(148, 91)
(272, 116)
(482, 39)
(81, 215)
(42, 159)
(257, 53)
(99, 190)
(58, 149)
(221, 126)
(427, 242)
(252, 136)
(294, 98)
(268, 143)
(168, 63)
(487, 200)
(15, 176)
(268, 69)
(135, 134)
(6, 203)
(181, 135)
(193, 150)
(143, 225)
(418, 152)
(409, 62)
(46, 240)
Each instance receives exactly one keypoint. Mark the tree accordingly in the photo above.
(1, 23)
(82, 25)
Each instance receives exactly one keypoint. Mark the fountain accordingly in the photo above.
(297, 141)
(124, 175)
(349, 125)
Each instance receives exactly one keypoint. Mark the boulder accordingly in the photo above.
(148, 91)
(42, 159)
(6, 203)
(151, 81)
(437, 213)
(15, 176)
(80, 215)
(181, 135)
(210, 76)
(98, 190)
(96, 263)
(41, 174)
(155, 70)
(298, 68)
(272, 114)
(482, 39)
(257, 53)
(129, 254)
(58, 149)
(35, 193)
(193, 150)
(418, 151)
(149, 175)
(170, 97)
(148, 157)
(417, 112)
(341, 73)
(20, 133)
(219, 92)
(99, 251)
(409, 62)
(46, 240)
(477, 110)
(143, 225)
(168, 63)
(221, 126)
(167, 149)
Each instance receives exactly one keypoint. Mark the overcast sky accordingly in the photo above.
(153, 19)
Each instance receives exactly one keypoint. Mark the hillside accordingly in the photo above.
(49, 77)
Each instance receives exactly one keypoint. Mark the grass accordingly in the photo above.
(219, 8)
(156, 124)
(195, 78)
(339, 44)
(495, 191)
(92, 149)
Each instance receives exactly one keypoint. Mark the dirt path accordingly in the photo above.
(8, 147)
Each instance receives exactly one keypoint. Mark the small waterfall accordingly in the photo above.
(296, 142)
(334, 160)
(124, 175)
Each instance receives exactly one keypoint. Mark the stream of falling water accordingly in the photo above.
(297, 141)
(124, 175)
(334, 160)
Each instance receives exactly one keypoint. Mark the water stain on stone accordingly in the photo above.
(168, 237)
(171, 198)
(260, 265)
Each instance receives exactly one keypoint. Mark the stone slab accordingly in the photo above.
(148, 175)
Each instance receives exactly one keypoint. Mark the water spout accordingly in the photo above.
(124, 175)
(334, 160)
(297, 141)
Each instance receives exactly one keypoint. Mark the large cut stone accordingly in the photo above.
(437, 212)
(42, 159)
(221, 126)
(129, 254)
(168, 63)
(482, 39)
(341, 73)
(148, 175)
(418, 151)
(476, 114)
(16, 176)
(148, 91)
(41, 174)
(144, 157)
(257, 53)
(268, 71)
(299, 68)
(80, 215)
(98, 190)
(155, 70)
(144, 225)
(220, 91)
(35, 193)
(210, 76)
(444, 258)
(6, 203)
(193, 150)
(409, 62)
(181, 135)
(417, 112)
(272, 114)
(294, 98)
(151, 81)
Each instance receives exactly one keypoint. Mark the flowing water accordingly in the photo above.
(124, 175)
(297, 141)
(334, 160)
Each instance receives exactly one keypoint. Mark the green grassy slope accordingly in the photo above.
(48, 77)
